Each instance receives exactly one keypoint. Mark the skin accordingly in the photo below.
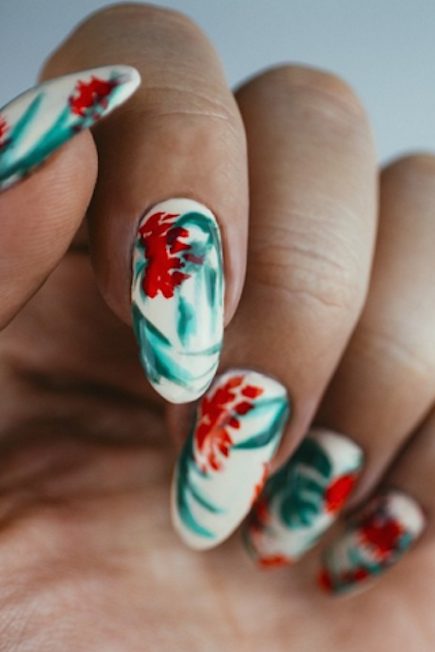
(88, 556)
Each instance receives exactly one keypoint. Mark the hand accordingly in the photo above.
(89, 558)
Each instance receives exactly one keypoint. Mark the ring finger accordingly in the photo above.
(383, 386)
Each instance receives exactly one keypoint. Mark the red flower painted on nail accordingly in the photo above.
(382, 534)
(166, 254)
(4, 128)
(338, 491)
(91, 95)
(218, 413)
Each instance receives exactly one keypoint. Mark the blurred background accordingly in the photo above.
(384, 48)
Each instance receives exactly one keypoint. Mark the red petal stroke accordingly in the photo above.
(90, 95)
(219, 412)
(166, 254)
(338, 491)
(382, 534)
(4, 128)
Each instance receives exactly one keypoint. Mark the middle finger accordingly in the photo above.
(313, 206)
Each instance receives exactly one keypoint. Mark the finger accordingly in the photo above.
(43, 118)
(374, 541)
(313, 183)
(172, 174)
(303, 498)
(390, 524)
(385, 382)
(215, 481)
(39, 217)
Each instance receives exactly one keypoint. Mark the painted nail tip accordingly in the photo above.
(131, 73)
(236, 432)
(386, 530)
(42, 119)
(196, 544)
(132, 80)
(411, 512)
(177, 297)
(178, 396)
(304, 497)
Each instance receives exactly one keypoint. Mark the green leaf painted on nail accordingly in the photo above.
(7, 165)
(156, 353)
(187, 324)
(184, 491)
(269, 434)
(299, 486)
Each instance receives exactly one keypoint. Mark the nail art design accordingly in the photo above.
(177, 298)
(224, 463)
(377, 540)
(303, 498)
(45, 117)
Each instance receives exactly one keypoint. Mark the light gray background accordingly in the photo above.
(384, 48)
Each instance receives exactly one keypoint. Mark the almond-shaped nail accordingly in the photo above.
(303, 498)
(374, 542)
(40, 120)
(178, 297)
(224, 463)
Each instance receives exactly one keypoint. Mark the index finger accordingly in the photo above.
(172, 175)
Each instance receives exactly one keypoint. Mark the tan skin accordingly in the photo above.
(88, 557)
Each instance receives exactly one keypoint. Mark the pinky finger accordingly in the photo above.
(390, 524)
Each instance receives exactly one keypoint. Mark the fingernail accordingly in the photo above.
(377, 540)
(177, 298)
(303, 498)
(39, 121)
(224, 463)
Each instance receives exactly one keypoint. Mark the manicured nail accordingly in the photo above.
(177, 298)
(378, 539)
(303, 498)
(224, 463)
(45, 117)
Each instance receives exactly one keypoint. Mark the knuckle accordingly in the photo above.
(313, 265)
(317, 90)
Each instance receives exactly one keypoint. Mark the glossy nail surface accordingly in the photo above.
(225, 460)
(303, 498)
(45, 117)
(377, 540)
(177, 298)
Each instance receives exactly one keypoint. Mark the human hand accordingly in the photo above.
(90, 560)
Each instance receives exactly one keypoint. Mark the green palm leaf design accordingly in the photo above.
(17, 133)
(185, 493)
(155, 352)
(273, 430)
(58, 133)
(299, 486)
